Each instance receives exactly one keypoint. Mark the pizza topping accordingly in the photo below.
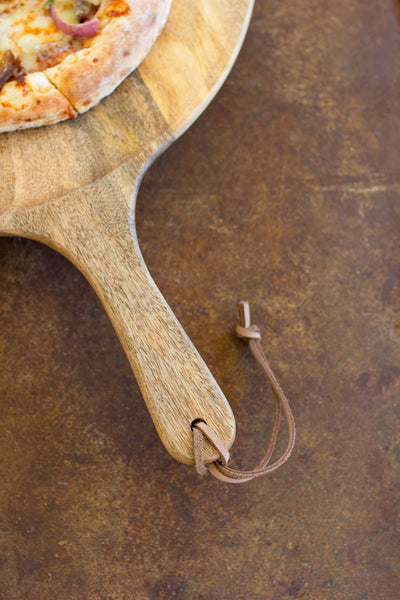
(10, 68)
(117, 8)
(52, 54)
(85, 10)
(81, 30)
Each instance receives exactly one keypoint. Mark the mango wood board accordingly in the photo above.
(73, 187)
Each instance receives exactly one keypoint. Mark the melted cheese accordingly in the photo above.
(27, 29)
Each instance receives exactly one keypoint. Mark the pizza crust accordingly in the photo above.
(128, 29)
(33, 101)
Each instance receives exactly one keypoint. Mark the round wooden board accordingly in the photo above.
(154, 105)
(73, 186)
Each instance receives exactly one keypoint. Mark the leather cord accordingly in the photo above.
(201, 430)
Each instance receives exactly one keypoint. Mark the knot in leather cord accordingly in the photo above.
(201, 430)
(248, 333)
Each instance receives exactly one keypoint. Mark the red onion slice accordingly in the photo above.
(81, 30)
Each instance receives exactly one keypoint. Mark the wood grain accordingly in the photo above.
(202, 40)
(73, 187)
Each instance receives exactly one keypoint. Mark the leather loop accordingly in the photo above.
(214, 440)
(219, 468)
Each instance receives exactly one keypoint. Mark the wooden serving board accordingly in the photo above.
(73, 187)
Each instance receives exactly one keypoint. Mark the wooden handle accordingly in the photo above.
(91, 228)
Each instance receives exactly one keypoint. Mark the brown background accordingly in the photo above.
(285, 192)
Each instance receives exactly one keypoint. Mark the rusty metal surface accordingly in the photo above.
(285, 192)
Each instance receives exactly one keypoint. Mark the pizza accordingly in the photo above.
(59, 58)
